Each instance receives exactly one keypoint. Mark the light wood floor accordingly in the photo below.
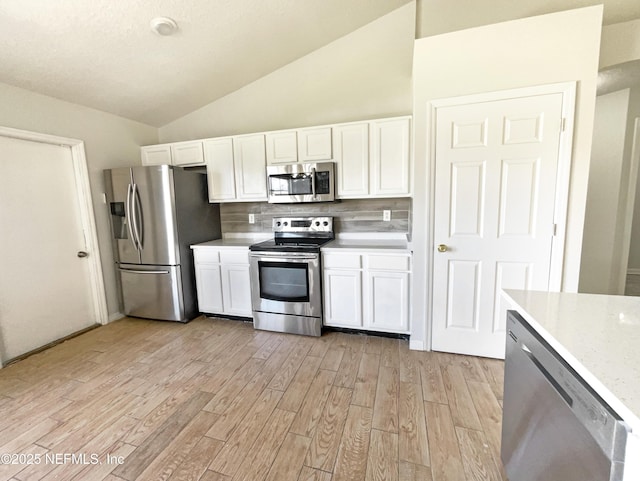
(214, 400)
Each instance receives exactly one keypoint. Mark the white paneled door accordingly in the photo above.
(45, 287)
(495, 180)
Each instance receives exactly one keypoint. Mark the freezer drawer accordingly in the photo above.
(152, 292)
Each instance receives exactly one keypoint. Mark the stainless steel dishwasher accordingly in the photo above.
(554, 426)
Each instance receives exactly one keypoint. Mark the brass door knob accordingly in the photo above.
(442, 248)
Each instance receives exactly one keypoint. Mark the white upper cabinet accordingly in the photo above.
(187, 153)
(314, 144)
(373, 158)
(156, 154)
(250, 167)
(236, 168)
(282, 147)
(351, 153)
(220, 171)
(390, 157)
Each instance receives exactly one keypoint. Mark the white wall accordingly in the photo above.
(634, 112)
(540, 50)
(599, 266)
(620, 43)
(110, 141)
(366, 74)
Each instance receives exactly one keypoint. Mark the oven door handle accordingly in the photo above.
(280, 256)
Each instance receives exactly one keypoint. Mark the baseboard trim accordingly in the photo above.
(633, 271)
(115, 316)
(49, 345)
(416, 345)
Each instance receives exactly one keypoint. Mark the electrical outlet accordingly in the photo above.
(252, 218)
(386, 215)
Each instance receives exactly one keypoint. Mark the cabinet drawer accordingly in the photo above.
(342, 261)
(388, 262)
(206, 256)
(234, 256)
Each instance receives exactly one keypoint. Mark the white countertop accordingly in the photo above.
(370, 242)
(226, 243)
(352, 242)
(597, 335)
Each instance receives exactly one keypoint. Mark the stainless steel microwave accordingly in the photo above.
(297, 183)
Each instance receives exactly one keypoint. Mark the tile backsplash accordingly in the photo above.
(349, 215)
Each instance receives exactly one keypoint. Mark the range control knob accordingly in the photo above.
(325, 223)
(317, 223)
(278, 223)
(286, 224)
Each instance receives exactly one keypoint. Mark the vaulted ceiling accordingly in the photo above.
(102, 53)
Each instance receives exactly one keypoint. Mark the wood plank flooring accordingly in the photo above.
(215, 400)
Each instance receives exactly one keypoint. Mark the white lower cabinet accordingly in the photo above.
(236, 292)
(222, 281)
(388, 300)
(209, 288)
(367, 291)
(343, 298)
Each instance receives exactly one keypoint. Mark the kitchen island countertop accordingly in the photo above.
(597, 335)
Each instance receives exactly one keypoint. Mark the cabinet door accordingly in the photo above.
(351, 153)
(209, 288)
(250, 167)
(387, 300)
(390, 147)
(342, 298)
(221, 179)
(187, 153)
(156, 154)
(236, 290)
(282, 147)
(314, 144)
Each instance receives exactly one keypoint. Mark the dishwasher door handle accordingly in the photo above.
(556, 385)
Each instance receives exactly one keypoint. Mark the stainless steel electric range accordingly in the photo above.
(286, 276)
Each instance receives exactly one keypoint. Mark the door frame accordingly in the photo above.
(87, 218)
(568, 91)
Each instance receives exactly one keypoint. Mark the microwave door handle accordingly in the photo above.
(313, 182)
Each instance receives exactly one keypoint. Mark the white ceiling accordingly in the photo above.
(102, 54)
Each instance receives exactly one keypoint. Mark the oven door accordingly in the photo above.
(286, 283)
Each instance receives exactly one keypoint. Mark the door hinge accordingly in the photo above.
(555, 229)
(564, 124)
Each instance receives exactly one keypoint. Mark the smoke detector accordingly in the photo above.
(164, 26)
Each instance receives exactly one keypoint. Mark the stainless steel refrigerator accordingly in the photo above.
(157, 212)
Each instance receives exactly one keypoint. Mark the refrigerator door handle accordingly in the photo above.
(129, 218)
(134, 271)
(134, 217)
